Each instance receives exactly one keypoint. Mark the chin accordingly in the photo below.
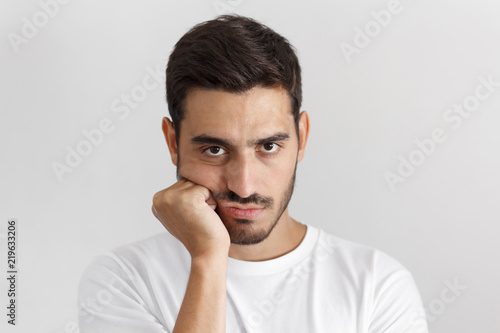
(246, 232)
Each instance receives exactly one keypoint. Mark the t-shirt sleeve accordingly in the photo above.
(397, 306)
(108, 300)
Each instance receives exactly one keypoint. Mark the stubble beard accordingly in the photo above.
(243, 232)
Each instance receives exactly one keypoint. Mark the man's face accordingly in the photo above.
(244, 148)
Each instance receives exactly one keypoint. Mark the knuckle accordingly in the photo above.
(155, 198)
(184, 198)
(168, 198)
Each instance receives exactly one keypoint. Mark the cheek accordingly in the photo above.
(201, 174)
(282, 179)
(279, 175)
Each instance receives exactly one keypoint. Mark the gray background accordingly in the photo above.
(366, 112)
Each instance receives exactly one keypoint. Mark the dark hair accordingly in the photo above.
(232, 53)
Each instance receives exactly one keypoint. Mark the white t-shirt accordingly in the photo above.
(326, 284)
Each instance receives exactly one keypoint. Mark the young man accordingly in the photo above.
(233, 260)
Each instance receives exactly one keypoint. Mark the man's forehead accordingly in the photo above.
(254, 114)
(258, 101)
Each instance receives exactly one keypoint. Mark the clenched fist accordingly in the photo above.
(187, 210)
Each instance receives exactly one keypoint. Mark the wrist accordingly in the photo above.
(211, 259)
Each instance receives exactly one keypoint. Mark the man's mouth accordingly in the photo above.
(248, 212)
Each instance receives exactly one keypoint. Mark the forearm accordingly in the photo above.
(204, 306)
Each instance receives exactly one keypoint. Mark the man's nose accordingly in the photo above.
(241, 175)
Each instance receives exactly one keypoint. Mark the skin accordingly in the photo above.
(236, 160)
(243, 166)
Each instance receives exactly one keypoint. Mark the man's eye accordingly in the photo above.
(214, 151)
(269, 147)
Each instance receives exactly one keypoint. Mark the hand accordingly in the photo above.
(187, 211)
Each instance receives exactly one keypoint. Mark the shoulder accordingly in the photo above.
(122, 285)
(357, 256)
(361, 266)
(389, 291)
(138, 259)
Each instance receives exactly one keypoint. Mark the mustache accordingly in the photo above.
(255, 198)
(230, 196)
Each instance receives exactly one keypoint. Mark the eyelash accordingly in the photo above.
(204, 150)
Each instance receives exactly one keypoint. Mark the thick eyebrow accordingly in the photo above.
(275, 138)
(201, 139)
(207, 139)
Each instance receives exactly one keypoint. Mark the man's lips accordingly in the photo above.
(248, 212)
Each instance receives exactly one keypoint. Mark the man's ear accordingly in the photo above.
(169, 132)
(303, 134)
